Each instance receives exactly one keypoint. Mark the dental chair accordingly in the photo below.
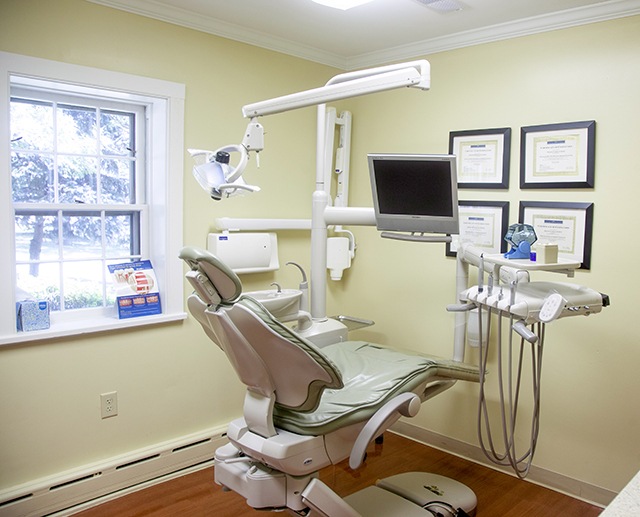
(306, 408)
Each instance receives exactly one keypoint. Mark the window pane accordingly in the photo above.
(117, 184)
(83, 283)
(116, 133)
(31, 125)
(76, 130)
(119, 236)
(43, 286)
(36, 238)
(78, 179)
(32, 178)
(81, 236)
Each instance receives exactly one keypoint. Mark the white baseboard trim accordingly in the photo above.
(90, 485)
(81, 488)
(558, 482)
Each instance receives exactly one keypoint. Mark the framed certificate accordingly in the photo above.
(558, 155)
(483, 224)
(482, 156)
(569, 225)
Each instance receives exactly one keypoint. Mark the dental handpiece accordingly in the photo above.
(481, 274)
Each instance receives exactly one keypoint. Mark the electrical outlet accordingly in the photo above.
(109, 404)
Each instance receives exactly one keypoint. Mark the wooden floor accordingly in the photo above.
(499, 494)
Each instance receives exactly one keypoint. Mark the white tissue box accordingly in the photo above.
(32, 315)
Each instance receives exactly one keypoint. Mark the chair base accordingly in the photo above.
(412, 494)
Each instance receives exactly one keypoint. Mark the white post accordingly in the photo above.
(319, 256)
(318, 297)
(460, 325)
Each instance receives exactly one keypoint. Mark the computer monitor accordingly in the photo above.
(415, 193)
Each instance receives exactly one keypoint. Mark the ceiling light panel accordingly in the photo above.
(342, 4)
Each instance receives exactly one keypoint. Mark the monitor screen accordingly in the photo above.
(415, 192)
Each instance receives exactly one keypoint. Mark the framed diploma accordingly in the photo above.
(558, 155)
(569, 225)
(483, 224)
(482, 156)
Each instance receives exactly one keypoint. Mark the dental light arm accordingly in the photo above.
(414, 74)
(253, 137)
(347, 85)
(343, 86)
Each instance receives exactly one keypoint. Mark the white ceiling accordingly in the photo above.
(379, 32)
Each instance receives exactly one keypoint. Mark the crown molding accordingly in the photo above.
(524, 27)
(603, 11)
(211, 25)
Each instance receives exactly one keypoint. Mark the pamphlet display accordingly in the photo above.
(137, 291)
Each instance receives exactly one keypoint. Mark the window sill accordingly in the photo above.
(91, 326)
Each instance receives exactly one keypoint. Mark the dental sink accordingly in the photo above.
(281, 304)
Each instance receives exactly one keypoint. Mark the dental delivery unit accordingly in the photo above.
(315, 398)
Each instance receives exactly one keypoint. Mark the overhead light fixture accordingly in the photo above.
(342, 4)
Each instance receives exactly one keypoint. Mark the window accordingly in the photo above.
(76, 168)
(88, 186)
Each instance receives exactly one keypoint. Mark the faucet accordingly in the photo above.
(304, 287)
(278, 288)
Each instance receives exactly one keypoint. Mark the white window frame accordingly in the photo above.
(165, 151)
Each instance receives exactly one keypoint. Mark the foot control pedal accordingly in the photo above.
(438, 494)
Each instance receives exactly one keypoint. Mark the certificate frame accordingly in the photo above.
(558, 155)
(570, 225)
(483, 157)
(483, 224)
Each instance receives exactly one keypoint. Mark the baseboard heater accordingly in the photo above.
(81, 488)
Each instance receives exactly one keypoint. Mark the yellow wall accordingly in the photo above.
(49, 392)
(170, 380)
(590, 418)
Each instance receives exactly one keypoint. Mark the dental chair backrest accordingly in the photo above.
(277, 366)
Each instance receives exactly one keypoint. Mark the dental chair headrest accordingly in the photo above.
(214, 281)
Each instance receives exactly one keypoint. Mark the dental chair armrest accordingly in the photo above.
(406, 404)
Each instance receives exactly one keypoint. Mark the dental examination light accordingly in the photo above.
(216, 176)
(212, 169)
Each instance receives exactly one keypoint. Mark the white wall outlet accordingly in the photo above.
(109, 404)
